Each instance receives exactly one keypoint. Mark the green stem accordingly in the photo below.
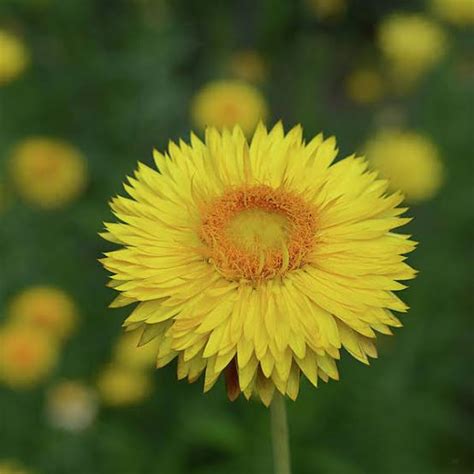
(280, 438)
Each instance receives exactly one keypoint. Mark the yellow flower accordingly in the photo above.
(129, 351)
(27, 356)
(227, 103)
(46, 308)
(248, 65)
(410, 161)
(324, 9)
(412, 45)
(364, 86)
(260, 260)
(48, 173)
(14, 57)
(12, 467)
(71, 405)
(120, 386)
(458, 12)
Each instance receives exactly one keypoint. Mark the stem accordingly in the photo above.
(280, 438)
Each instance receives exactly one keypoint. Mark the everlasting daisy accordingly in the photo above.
(121, 386)
(27, 356)
(47, 173)
(14, 57)
(45, 308)
(457, 12)
(259, 260)
(412, 45)
(227, 103)
(409, 160)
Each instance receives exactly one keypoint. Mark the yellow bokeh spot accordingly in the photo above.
(119, 386)
(412, 44)
(364, 86)
(45, 308)
(327, 9)
(14, 57)
(47, 173)
(128, 352)
(248, 65)
(457, 12)
(227, 103)
(10, 466)
(27, 356)
(409, 161)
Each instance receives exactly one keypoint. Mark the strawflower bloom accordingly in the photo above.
(47, 173)
(457, 12)
(248, 65)
(27, 356)
(14, 57)
(45, 308)
(133, 353)
(71, 405)
(258, 260)
(122, 386)
(227, 103)
(364, 86)
(412, 45)
(410, 161)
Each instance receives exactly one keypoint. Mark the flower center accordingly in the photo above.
(255, 233)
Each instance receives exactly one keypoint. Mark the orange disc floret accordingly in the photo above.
(257, 232)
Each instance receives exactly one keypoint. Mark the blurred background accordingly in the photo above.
(89, 87)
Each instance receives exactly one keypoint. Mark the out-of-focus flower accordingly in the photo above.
(47, 173)
(261, 261)
(457, 12)
(27, 356)
(412, 45)
(10, 466)
(71, 406)
(327, 9)
(14, 57)
(248, 65)
(364, 86)
(45, 308)
(119, 386)
(129, 354)
(227, 103)
(410, 161)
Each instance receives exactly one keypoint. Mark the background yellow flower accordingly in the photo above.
(47, 173)
(227, 103)
(129, 354)
(27, 356)
(120, 386)
(458, 12)
(327, 9)
(409, 160)
(45, 308)
(248, 65)
(364, 86)
(14, 57)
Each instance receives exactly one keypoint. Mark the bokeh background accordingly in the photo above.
(89, 87)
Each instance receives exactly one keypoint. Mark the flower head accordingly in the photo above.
(410, 161)
(27, 356)
(131, 352)
(458, 12)
(14, 57)
(120, 386)
(258, 260)
(47, 173)
(227, 103)
(412, 45)
(364, 86)
(71, 405)
(45, 308)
